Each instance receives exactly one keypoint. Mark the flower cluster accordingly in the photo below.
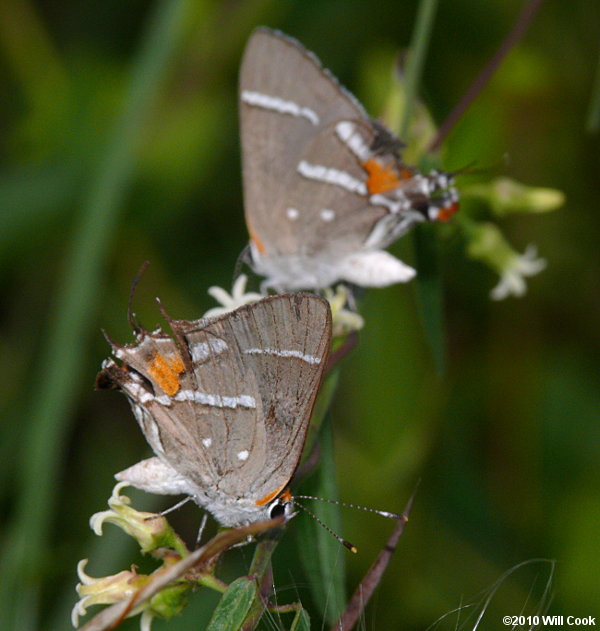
(486, 243)
(344, 319)
(155, 537)
(502, 196)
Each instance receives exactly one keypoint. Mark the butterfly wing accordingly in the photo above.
(280, 344)
(227, 403)
(285, 343)
(190, 401)
(287, 101)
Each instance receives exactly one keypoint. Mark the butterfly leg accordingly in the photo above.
(201, 530)
(179, 504)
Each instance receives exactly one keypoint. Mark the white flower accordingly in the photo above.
(344, 320)
(146, 620)
(153, 533)
(103, 591)
(237, 298)
(512, 279)
(151, 530)
(488, 245)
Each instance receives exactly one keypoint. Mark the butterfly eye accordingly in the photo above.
(277, 510)
(421, 205)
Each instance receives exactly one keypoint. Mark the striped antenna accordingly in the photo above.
(382, 513)
(136, 281)
(343, 541)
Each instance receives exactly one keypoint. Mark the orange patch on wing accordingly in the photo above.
(165, 371)
(260, 246)
(267, 498)
(405, 174)
(381, 178)
(447, 212)
(286, 496)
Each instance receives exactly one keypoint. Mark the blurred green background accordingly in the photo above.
(120, 144)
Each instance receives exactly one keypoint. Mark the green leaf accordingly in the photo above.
(301, 621)
(321, 554)
(233, 606)
(429, 292)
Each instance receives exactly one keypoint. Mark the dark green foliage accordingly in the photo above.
(120, 145)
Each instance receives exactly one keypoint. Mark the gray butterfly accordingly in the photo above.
(324, 187)
(225, 403)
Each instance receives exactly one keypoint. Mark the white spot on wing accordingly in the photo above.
(145, 397)
(331, 176)
(394, 206)
(243, 455)
(309, 359)
(138, 392)
(279, 105)
(347, 133)
(292, 214)
(203, 350)
(327, 214)
(215, 400)
(207, 442)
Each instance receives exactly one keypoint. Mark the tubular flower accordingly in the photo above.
(150, 530)
(344, 320)
(489, 246)
(106, 590)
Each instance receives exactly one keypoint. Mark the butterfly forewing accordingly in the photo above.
(283, 341)
(286, 100)
(183, 409)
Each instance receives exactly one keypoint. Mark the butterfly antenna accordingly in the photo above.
(382, 513)
(244, 258)
(471, 168)
(341, 540)
(136, 281)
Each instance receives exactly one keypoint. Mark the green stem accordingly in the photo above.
(515, 35)
(593, 119)
(260, 566)
(414, 66)
(207, 579)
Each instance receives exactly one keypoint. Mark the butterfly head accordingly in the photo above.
(281, 506)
